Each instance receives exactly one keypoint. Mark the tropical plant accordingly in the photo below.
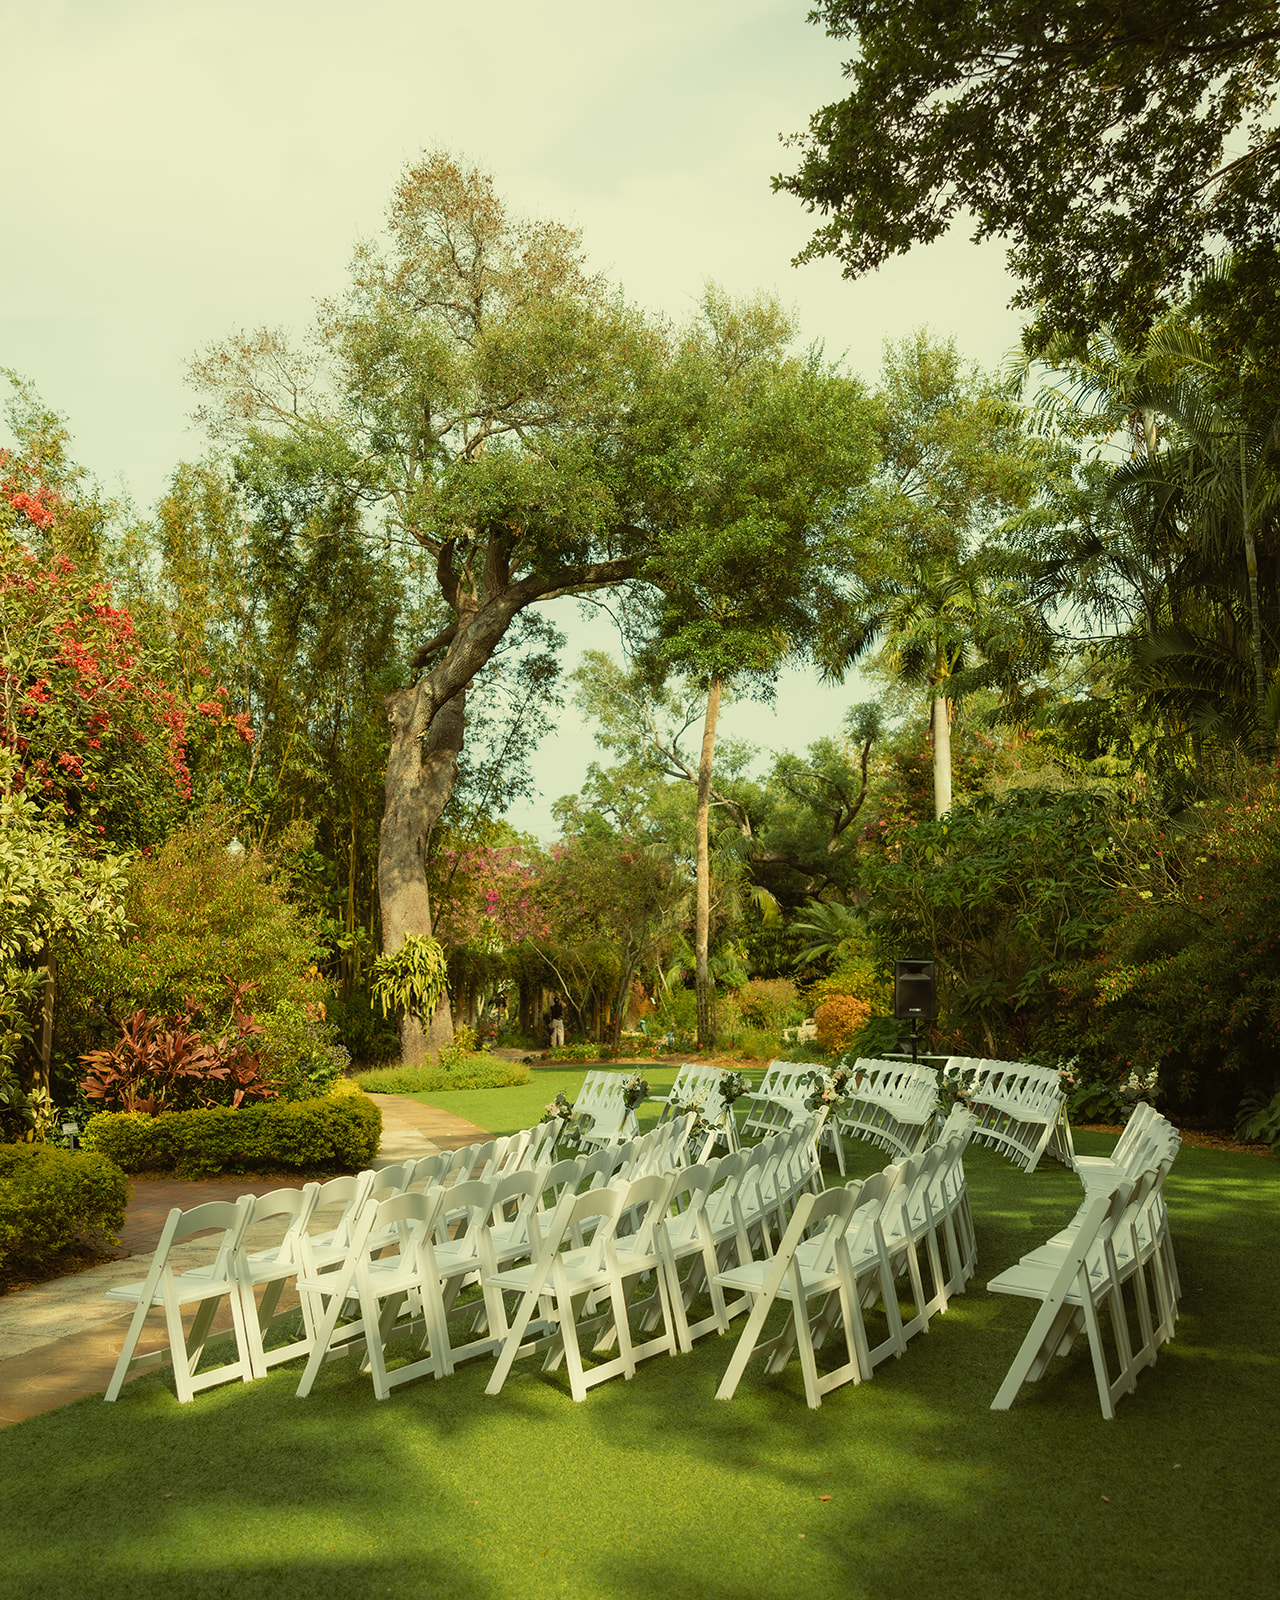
(411, 979)
(162, 1064)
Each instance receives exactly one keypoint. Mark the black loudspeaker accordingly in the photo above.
(915, 996)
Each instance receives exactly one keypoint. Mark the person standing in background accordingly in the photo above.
(556, 1018)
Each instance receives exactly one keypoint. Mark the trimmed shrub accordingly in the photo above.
(477, 1072)
(48, 1197)
(342, 1130)
(838, 1020)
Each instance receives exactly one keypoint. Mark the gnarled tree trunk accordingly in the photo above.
(420, 777)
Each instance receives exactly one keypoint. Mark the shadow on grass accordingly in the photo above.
(905, 1486)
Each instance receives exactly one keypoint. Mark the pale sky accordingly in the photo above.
(174, 172)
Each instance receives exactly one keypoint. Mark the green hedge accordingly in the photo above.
(48, 1197)
(479, 1072)
(341, 1130)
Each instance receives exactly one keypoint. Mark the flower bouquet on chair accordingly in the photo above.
(560, 1110)
(732, 1087)
(634, 1090)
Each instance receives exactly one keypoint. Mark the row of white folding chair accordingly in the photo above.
(1154, 1145)
(721, 1206)
(723, 1202)
(602, 1116)
(237, 1275)
(890, 1103)
(1021, 1108)
(926, 1205)
(1118, 1241)
(559, 1292)
(409, 1262)
(862, 1239)
(480, 1227)
(253, 1282)
(317, 1257)
(1145, 1129)
(780, 1097)
(694, 1081)
(699, 1086)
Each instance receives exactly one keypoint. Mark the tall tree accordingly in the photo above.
(1223, 466)
(502, 412)
(947, 597)
(779, 448)
(1112, 143)
(1165, 557)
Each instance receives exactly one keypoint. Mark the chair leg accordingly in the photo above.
(131, 1338)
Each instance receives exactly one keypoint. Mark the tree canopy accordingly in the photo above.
(1114, 145)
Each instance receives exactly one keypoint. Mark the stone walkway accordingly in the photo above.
(60, 1340)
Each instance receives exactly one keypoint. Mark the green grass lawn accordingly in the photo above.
(909, 1486)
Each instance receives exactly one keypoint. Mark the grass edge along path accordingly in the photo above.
(903, 1486)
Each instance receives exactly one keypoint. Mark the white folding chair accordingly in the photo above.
(271, 1269)
(1072, 1290)
(690, 1242)
(200, 1287)
(391, 1282)
(560, 1285)
(825, 1273)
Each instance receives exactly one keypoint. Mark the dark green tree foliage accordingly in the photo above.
(1003, 893)
(1113, 144)
(1187, 981)
(1217, 484)
(812, 811)
(615, 908)
(1162, 553)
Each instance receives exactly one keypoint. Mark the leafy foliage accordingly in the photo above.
(1111, 143)
(767, 1003)
(838, 1020)
(50, 1197)
(1003, 893)
(97, 731)
(342, 1131)
(1188, 982)
(202, 921)
(411, 979)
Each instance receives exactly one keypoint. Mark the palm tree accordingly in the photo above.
(950, 625)
(1220, 471)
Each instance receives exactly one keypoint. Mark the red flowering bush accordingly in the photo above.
(85, 707)
(84, 700)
